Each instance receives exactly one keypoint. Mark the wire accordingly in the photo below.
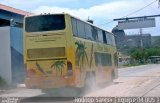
(106, 23)
(140, 9)
(131, 12)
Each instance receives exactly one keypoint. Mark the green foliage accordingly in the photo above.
(142, 55)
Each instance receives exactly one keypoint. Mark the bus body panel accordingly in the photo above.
(56, 59)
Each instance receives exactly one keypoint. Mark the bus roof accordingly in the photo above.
(71, 16)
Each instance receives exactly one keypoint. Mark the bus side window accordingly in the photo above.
(103, 59)
(104, 37)
(106, 59)
(74, 27)
(113, 40)
(100, 36)
(98, 59)
(88, 31)
(80, 28)
(94, 33)
(109, 39)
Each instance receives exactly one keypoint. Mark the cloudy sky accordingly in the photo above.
(101, 11)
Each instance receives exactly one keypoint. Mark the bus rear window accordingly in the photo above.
(45, 23)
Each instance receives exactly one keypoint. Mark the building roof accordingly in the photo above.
(11, 9)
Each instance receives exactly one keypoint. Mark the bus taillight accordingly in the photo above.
(69, 69)
(31, 72)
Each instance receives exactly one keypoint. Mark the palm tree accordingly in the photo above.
(81, 54)
(58, 66)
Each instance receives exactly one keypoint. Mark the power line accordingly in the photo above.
(106, 23)
(141, 8)
(131, 12)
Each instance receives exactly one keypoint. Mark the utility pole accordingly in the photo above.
(122, 21)
(141, 41)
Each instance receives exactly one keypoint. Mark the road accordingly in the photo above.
(134, 82)
(138, 81)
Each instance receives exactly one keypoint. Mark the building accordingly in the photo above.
(138, 40)
(125, 42)
(119, 38)
(11, 44)
(155, 41)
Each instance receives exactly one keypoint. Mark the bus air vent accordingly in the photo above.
(55, 52)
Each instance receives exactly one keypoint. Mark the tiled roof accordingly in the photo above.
(11, 9)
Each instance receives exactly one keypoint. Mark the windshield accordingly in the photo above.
(45, 23)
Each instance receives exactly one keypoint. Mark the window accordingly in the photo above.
(94, 33)
(100, 36)
(104, 38)
(113, 41)
(88, 31)
(45, 23)
(84, 30)
(103, 59)
(98, 59)
(109, 39)
(106, 59)
(80, 28)
(4, 22)
(74, 27)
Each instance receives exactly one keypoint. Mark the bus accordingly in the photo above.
(61, 50)
(154, 59)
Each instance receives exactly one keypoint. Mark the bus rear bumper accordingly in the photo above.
(49, 82)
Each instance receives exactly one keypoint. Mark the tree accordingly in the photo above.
(142, 55)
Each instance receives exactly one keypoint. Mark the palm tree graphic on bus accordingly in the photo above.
(81, 55)
(58, 66)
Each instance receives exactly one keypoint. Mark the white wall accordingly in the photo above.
(5, 54)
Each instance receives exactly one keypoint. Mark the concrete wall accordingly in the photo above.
(11, 55)
(5, 54)
(17, 62)
(17, 39)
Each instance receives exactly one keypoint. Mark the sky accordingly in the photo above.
(102, 12)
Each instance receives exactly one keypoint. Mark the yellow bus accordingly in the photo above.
(61, 50)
